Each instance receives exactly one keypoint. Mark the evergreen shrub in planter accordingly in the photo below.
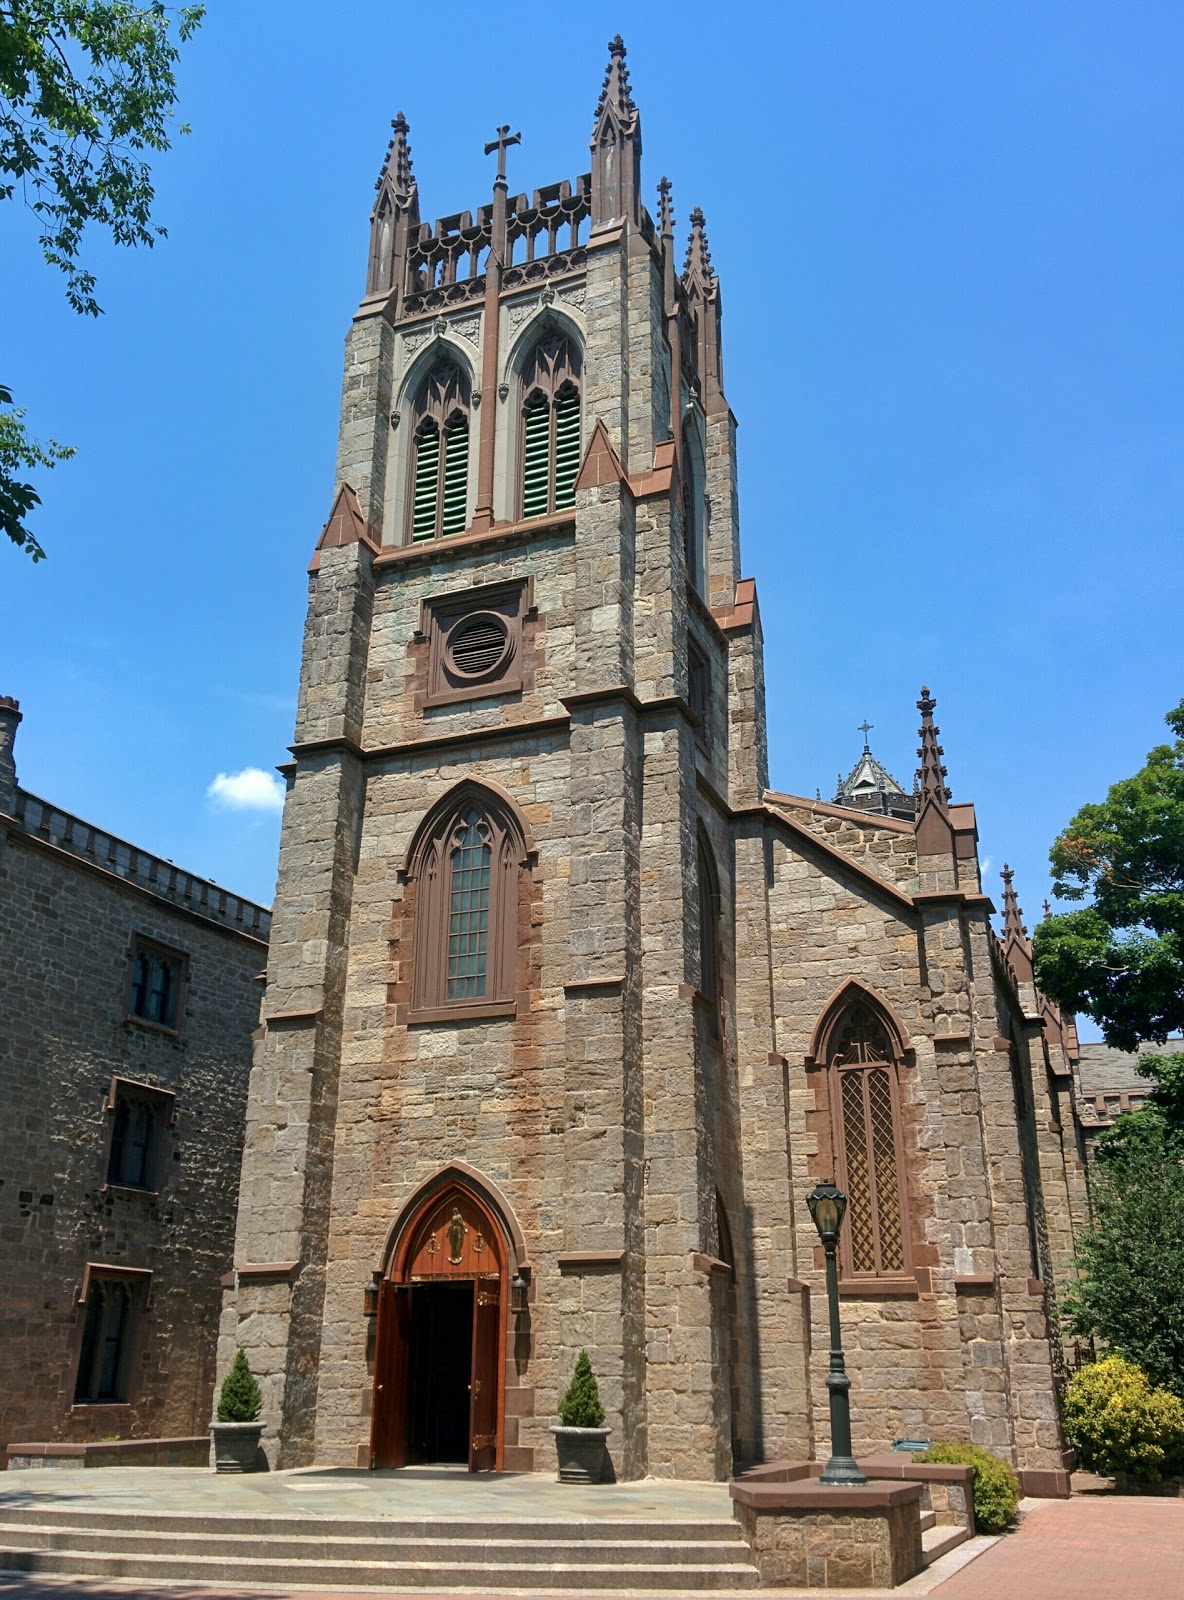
(236, 1432)
(996, 1487)
(581, 1438)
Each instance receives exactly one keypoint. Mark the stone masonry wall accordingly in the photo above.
(65, 938)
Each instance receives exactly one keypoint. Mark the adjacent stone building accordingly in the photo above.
(566, 1009)
(127, 1000)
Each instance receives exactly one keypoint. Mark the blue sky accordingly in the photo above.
(949, 240)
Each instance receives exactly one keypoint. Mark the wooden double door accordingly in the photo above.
(440, 1343)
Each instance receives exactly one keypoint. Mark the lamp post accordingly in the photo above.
(827, 1205)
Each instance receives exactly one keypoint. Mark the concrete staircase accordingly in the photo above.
(379, 1552)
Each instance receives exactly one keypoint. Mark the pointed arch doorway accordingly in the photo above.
(440, 1343)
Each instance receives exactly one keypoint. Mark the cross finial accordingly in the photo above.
(865, 727)
(501, 144)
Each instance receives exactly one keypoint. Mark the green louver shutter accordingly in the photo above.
(567, 449)
(456, 475)
(427, 482)
(536, 452)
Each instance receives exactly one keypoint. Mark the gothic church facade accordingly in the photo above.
(566, 1011)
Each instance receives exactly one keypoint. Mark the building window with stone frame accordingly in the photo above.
(466, 867)
(550, 425)
(440, 416)
(863, 1073)
(140, 1117)
(157, 986)
(112, 1313)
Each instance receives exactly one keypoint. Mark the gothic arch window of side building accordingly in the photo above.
(440, 452)
(466, 866)
(550, 424)
(863, 1053)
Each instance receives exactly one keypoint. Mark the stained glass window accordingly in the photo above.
(468, 911)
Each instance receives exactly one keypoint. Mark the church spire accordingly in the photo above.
(616, 146)
(931, 775)
(702, 290)
(396, 211)
(698, 279)
(1013, 925)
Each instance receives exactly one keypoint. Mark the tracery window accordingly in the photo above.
(440, 453)
(550, 426)
(132, 1157)
(466, 868)
(865, 1103)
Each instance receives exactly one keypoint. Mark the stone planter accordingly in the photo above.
(581, 1453)
(236, 1446)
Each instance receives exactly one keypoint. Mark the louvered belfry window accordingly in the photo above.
(550, 426)
(867, 1126)
(440, 454)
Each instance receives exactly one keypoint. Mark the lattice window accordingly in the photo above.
(868, 1137)
(468, 920)
(550, 426)
(440, 453)
(465, 864)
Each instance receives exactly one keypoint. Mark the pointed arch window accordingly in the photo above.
(865, 1108)
(709, 906)
(466, 866)
(550, 426)
(440, 453)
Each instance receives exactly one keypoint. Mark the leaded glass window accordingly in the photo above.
(468, 911)
(867, 1119)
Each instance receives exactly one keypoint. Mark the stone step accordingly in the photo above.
(564, 1530)
(439, 1575)
(928, 1520)
(384, 1547)
(936, 1541)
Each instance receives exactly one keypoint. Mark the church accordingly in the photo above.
(566, 1010)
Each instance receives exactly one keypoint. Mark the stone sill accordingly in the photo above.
(484, 1012)
(880, 1289)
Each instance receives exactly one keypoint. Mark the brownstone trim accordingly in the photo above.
(596, 697)
(293, 1019)
(807, 1494)
(165, 1102)
(462, 545)
(1037, 1287)
(797, 1286)
(607, 985)
(974, 1282)
(147, 1091)
(960, 1040)
(483, 1190)
(1045, 1483)
(112, 1269)
(852, 1288)
(953, 897)
(460, 1011)
(512, 604)
(590, 1260)
(440, 741)
(711, 1264)
(855, 992)
(267, 1272)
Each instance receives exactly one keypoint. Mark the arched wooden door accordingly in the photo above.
(439, 1359)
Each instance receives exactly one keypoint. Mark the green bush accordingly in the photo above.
(580, 1406)
(240, 1399)
(996, 1487)
(1120, 1423)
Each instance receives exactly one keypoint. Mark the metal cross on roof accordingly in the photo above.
(865, 727)
(501, 144)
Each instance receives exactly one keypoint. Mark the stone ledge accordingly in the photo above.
(181, 1452)
(807, 1494)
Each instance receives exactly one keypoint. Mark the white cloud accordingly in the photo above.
(252, 789)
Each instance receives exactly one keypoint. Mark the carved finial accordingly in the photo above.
(665, 211)
(396, 174)
(697, 274)
(931, 774)
(616, 96)
(1012, 916)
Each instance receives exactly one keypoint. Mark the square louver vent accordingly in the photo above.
(476, 644)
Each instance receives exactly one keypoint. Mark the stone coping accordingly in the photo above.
(892, 1464)
(111, 1452)
(807, 1494)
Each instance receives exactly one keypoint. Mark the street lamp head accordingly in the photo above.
(827, 1205)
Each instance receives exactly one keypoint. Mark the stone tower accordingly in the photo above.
(554, 981)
